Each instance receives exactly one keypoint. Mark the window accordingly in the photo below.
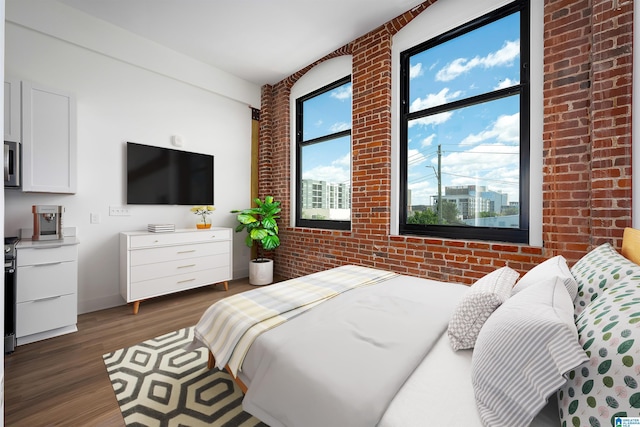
(323, 157)
(464, 131)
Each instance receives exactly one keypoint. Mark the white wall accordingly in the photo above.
(127, 89)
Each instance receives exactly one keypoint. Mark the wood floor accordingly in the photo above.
(63, 381)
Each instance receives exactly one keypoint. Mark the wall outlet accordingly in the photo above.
(119, 211)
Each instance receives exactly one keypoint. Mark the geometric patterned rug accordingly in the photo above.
(159, 383)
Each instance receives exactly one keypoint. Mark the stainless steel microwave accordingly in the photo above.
(11, 164)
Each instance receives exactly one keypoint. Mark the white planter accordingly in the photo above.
(261, 272)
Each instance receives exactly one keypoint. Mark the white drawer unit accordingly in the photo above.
(47, 289)
(155, 264)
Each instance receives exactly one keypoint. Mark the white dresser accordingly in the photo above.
(155, 264)
(47, 289)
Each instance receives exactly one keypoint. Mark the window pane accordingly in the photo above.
(480, 61)
(327, 113)
(326, 180)
(464, 166)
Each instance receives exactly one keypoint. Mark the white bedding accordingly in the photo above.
(342, 362)
(438, 392)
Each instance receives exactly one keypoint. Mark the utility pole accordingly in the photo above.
(439, 176)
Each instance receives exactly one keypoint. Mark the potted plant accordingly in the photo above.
(262, 228)
(203, 211)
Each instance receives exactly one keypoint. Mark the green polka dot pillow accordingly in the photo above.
(597, 271)
(608, 385)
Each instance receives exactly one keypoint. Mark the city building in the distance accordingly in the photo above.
(323, 200)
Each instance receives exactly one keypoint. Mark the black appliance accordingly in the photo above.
(10, 293)
(11, 164)
(162, 176)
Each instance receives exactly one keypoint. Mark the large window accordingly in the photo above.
(464, 131)
(323, 157)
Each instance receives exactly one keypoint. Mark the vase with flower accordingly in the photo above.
(204, 212)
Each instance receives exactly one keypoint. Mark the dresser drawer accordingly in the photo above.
(174, 253)
(43, 315)
(46, 280)
(143, 272)
(46, 254)
(181, 282)
(162, 239)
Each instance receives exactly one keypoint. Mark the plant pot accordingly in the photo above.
(201, 226)
(261, 271)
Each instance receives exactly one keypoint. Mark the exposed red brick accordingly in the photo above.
(586, 154)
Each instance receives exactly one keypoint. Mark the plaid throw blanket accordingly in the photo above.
(229, 326)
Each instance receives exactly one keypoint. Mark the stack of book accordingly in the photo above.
(161, 228)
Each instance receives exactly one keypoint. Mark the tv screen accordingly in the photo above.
(162, 176)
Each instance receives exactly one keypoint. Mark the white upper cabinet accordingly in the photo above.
(49, 150)
(12, 110)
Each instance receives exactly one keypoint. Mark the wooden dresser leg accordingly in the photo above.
(226, 285)
(136, 307)
(211, 362)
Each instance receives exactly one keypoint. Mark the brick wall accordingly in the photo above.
(586, 142)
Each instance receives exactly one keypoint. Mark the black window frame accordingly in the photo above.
(498, 234)
(300, 143)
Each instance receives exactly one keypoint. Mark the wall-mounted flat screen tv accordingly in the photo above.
(162, 176)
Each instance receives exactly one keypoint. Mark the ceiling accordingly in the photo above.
(261, 41)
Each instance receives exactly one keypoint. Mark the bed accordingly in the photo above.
(366, 347)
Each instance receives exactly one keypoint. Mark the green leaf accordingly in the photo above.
(591, 401)
(612, 402)
(625, 346)
(270, 242)
(609, 326)
(258, 234)
(593, 422)
(587, 386)
(588, 343)
(634, 400)
(573, 407)
(246, 218)
(630, 381)
(575, 421)
(607, 381)
(627, 361)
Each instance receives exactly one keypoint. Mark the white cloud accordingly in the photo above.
(341, 93)
(504, 56)
(507, 82)
(495, 166)
(415, 158)
(433, 99)
(338, 172)
(415, 71)
(339, 126)
(428, 140)
(435, 119)
(505, 129)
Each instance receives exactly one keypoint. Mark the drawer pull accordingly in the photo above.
(47, 299)
(47, 264)
(186, 266)
(185, 281)
(186, 252)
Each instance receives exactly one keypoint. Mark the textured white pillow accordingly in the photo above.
(523, 352)
(553, 267)
(476, 306)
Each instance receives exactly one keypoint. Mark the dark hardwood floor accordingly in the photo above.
(63, 381)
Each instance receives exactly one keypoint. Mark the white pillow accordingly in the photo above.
(476, 306)
(523, 352)
(553, 267)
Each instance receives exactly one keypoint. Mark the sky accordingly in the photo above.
(479, 144)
